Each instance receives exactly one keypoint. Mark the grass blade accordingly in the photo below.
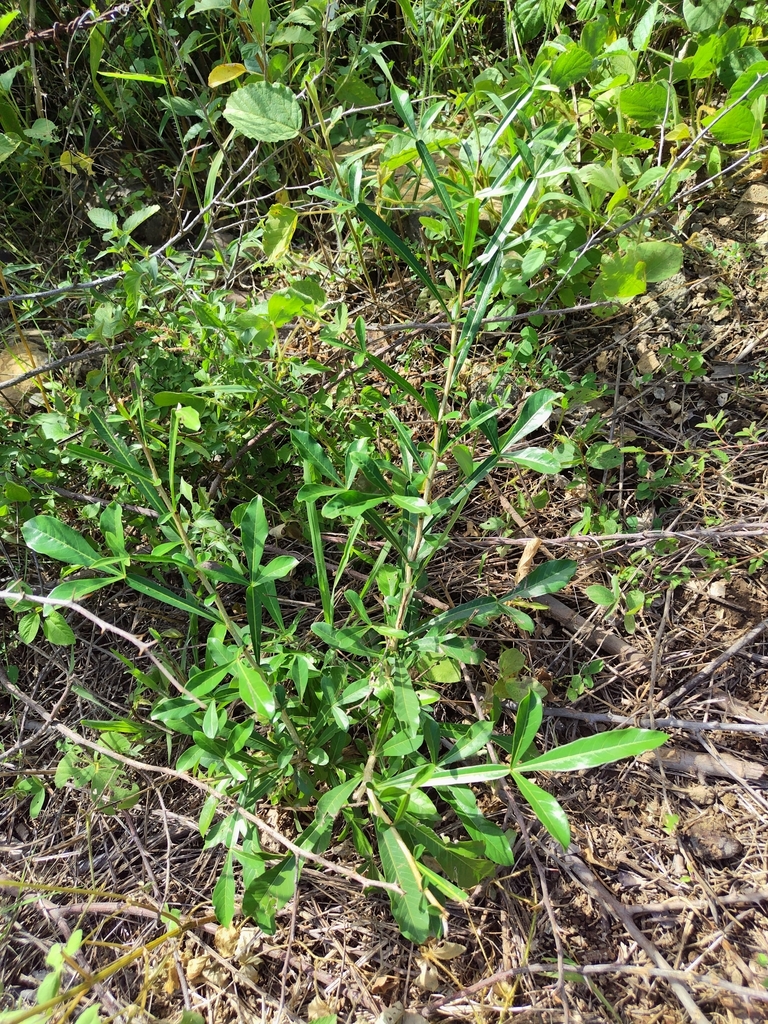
(398, 246)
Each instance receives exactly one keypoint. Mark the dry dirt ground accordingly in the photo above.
(658, 912)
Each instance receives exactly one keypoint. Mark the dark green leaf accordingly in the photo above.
(149, 588)
(398, 246)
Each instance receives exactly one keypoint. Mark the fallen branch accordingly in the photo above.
(606, 718)
(687, 762)
(593, 636)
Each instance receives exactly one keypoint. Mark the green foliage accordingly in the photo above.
(533, 182)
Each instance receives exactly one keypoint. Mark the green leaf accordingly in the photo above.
(279, 228)
(662, 259)
(349, 640)
(138, 217)
(411, 910)
(398, 246)
(641, 35)
(57, 630)
(571, 66)
(75, 590)
(48, 536)
(438, 777)
(264, 112)
(164, 399)
(463, 867)
(269, 893)
(334, 801)
(29, 624)
(747, 82)
(406, 703)
(16, 492)
(510, 217)
(474, 321)
(111, 523)
(603, 455)
(149, 588)
(105, 220)
(706, 16)
(255, 691)
(645, 103)
(497, 844)
(6, 19)
(254, 530)
(223, 897)
(474, 739)
(536, 411)
(600, 176)
(352, 503)
(36, 803)
(527, 723)
(211, 721)
(600, 595)
(434, 176)
(277, 568)
(396, 378)
(399, 745)
(592, 751)
(537, 459)
(546, 808)
(545, 579)
(401, 101)
(732, 128)
(621, 277)
(309, 449)
(8, 146)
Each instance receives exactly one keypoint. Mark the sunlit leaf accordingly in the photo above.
(592, 751)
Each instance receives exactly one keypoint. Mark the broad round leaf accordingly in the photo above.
(732, 128)
(264, 112)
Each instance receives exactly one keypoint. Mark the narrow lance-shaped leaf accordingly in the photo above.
(254, 530)
(434, 176)
(474, 321)
(398, 246)
(406, 701)
(512, 215)
(474, 739)
(461, 775)
(49, 536)
(546, 808)
(497, 844)
(309, 449)
(223, 896)
(527, 722)
(410, 910)
(149, 588)
(401, 101)
(592, 751)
